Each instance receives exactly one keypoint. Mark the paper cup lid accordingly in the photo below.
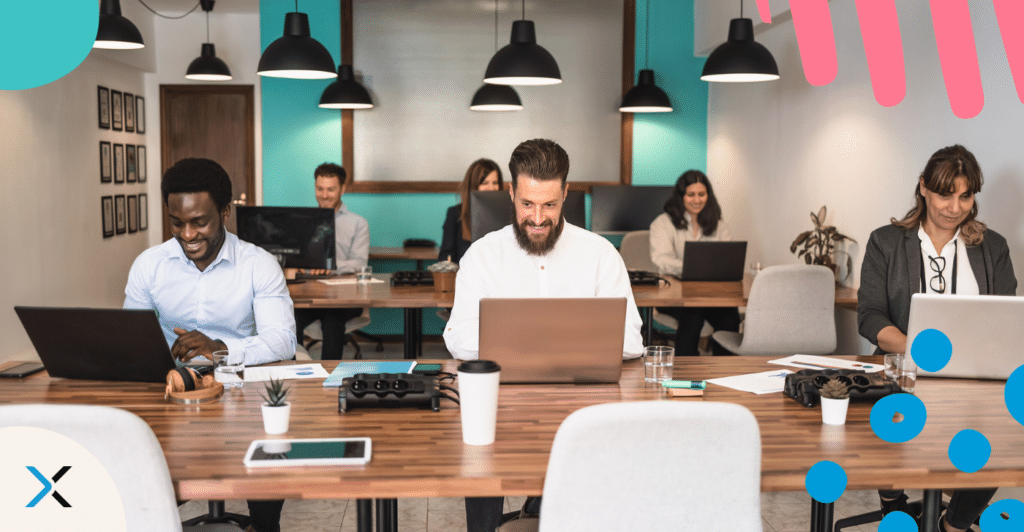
(479, 366)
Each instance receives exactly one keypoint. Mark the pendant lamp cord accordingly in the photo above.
(165, 16)
(741, 8)
(495, 26)
(524, 9)
(207, 26)
(647, 32)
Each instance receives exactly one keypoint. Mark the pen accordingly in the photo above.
(693, 385)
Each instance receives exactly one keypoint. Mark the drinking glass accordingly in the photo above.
(364, 274)
(893, 361)
(658, 360)
(228, 370)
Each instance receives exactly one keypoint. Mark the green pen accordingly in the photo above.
(693, 385)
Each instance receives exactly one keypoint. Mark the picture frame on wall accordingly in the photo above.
(129, 112)
(107, 214)
(133, 213)
(116, 111)
(106, 174)
(141, 163)
(103, 106)
(130, 163)
(143, 212)
(118, 163)
(140, 115)
(120, 215)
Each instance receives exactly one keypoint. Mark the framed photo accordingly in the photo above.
(105, 172)
(129, 112)
(143, 212)
(130, 162)
(116, 111)
(133, 213)
(103, 105)
(140, 115)
(120, 214)
(141, 163)
(107, 203)
(119, 163)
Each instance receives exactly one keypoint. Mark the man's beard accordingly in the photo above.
(542, 247)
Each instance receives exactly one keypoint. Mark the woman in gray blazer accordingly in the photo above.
(938, 247)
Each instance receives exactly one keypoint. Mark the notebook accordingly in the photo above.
(98, 344)
(713, 261)
(984, 332)
(554, 340)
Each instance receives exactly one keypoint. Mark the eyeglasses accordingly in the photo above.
(938, 265)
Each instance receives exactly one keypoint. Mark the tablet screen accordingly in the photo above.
(309, 450)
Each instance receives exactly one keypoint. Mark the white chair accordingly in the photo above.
(129, 451)
(655, 466)
(791, 309)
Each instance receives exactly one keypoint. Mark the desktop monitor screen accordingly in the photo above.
(492, 209)
(303, 236)
(616, 208)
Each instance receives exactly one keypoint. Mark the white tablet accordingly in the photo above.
(308, 452)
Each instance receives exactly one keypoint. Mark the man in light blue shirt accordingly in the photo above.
(211, 290)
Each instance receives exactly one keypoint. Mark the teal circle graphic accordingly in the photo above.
(1013, 394)
(914, 416)
(44, 43)
(931, 350)
(969, 450)
(992, 519)
(825, 481)
(897, 522)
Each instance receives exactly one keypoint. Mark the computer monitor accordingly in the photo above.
(303, 236)
(620, 209)
(491, 210)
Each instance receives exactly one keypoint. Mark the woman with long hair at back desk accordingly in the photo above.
(483, 174)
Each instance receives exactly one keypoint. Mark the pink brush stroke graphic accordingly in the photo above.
(1008, 14)
(958, 56)
(883, 47)
(765, 11)
(813, 24)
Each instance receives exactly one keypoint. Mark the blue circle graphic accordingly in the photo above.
(914, 416)
(897, 522)
(826, 481)
(1013, 394)
(969, 450)
(38, 56)
(931, 350)
(992, 519)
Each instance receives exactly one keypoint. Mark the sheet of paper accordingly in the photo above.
(759, 383)
(816, 362)
(348, 280)
(298, 371)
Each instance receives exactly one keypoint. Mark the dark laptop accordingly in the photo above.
(98, 344)
(714, 261)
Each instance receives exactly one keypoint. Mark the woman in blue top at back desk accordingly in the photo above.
(483, 174)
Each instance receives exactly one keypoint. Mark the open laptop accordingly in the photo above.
(98, 344)
(554, 340)
(984, 331)
(714, 261)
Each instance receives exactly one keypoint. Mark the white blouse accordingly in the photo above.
(667, 242)
(966, 283)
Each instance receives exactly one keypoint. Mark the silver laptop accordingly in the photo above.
(554, 340)
(985, 332)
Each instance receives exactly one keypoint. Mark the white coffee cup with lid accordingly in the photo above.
(478, 398)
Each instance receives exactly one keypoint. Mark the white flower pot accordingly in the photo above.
(833, 411)
(275, 418)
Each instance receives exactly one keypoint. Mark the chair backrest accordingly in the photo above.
(791, 309)
(126, 447)
(636, 251)
(655, 466)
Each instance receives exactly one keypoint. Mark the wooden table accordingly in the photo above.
(417, 254)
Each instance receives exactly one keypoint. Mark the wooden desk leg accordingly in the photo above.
(364, 515)
(821, 516)
(413, 333)
(647, 313)
(931, 506)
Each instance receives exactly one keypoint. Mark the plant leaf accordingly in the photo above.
(814, 220)
(807, 258)
(821, 214)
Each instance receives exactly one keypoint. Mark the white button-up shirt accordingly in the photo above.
(582, 264)
(240, 299)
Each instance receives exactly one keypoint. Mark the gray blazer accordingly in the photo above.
(891, 273)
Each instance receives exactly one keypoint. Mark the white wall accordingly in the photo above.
(778, 150)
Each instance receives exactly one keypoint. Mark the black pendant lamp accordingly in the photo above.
(346, 92)
(208, 67)
(645, 96)
(116, 32)
(740, 59)
(523, 61)
(296, 55)
(496, 97)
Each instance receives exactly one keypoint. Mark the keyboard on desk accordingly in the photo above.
(642, 278)
(416, 278)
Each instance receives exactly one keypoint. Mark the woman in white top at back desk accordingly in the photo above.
(691, 213)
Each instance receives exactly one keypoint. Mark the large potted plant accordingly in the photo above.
(818, 246)
(276, 410)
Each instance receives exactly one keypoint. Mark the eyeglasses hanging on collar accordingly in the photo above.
(937, 282)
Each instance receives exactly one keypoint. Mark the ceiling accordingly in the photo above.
(178, 7)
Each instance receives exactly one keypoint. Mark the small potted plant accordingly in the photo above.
(275, 410)
(818, 246)
(835, 400)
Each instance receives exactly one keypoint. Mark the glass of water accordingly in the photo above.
(658, 360)
(364, 274)
(893, 362)
(228, 370)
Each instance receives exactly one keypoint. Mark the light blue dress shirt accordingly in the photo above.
(351, 240)
(241, 299)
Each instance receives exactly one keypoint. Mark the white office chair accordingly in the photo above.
(129, 451)
(791, 309)
(315, 332)
(655, 466)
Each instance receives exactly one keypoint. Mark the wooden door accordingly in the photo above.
(214, 122)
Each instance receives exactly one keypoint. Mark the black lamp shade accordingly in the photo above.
(740, 58)
(496, 98)
(523, 62)
(296, 54)
(208, 67)
(116, 32)
(345, 92)
(645, 96)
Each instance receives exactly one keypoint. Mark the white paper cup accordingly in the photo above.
(478, 400)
